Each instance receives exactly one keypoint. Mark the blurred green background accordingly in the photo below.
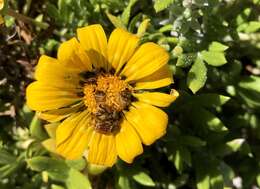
(213, 137)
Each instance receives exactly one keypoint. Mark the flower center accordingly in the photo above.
(106, 96)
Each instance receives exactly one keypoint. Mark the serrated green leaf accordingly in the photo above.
(197, 76)
(214, 58)
(218, 47)
(160, 5)
(144, 179)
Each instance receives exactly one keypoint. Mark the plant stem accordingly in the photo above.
(26, 19)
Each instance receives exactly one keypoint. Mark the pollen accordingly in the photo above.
(106, 96)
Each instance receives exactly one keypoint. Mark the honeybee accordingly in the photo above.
(106, 119)
(100, 96)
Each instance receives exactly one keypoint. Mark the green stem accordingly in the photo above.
(26, 19)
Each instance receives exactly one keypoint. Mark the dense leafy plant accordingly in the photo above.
(213, 137)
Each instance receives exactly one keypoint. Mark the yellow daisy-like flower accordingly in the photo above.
(97, 90)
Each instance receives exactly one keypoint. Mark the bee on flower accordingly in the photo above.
(96, 96)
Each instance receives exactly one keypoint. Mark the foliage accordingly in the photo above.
(213, 137)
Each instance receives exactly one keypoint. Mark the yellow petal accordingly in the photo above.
(157, 98)
(59, 114)
(102, 150)
(49, 145)
(121, 46)
(93, 39)
(150, 122)
(52, 72)
(51, 129)
(149, 58)
(76, 139)
(67, 127)
(71, 54)
(128, 143)
(42, 97)
(160, 78)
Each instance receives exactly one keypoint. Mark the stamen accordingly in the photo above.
(106, 96)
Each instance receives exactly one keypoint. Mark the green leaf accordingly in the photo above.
(177, 160)
(249, 90)
(227, 172)
(54, 186)
(6, 157)
(203, 179)
(204, 118)
(197, 76)
(185, 60)
(160, 5)
(258, 179)
(36, 129)
(144, 179)
(214, 58)
(216, 178)
(117, 22)
(123, 183)
(235, 144)
(56, 169)
(52, 11)
(218, 47)
(232, 146)
(210, 99)
(142, 27)
(126, 14)
(185, 155)
(8, 169)
(78, 164)
(192, 141)
(76, 180)
(250, 83)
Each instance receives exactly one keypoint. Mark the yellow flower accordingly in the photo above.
(98, 91)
